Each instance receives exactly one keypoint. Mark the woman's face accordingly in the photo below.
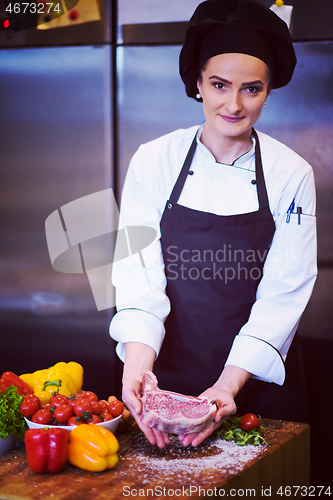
(233, 88)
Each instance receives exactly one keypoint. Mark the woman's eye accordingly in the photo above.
(219, 85)
(253, 90)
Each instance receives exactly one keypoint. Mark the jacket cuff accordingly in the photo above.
(257, 357)
(135, 325)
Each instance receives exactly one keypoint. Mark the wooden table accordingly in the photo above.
(214, 468)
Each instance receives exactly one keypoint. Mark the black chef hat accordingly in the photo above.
(237, 26)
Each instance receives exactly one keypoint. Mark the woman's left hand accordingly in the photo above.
(226, 407)
(230, 382)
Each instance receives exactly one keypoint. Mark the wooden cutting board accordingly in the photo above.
(173, 472)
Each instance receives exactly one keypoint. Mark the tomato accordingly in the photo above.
(58, 397)
(116, 408)
(82, 405)
(29, 407)
(104, 404)
(75, 421)
(42, 416)
(58, 400)
(97, 407)
(71, 401)
(89, 395)
(112, 398)
(249, 422)
(33, 396)
(63, 413)
(106, 416)
(95, 419)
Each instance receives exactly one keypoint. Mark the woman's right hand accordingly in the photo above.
(139, 358)
(131, 397)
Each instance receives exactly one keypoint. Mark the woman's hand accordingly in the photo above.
(139, 358)
(223, 392)
(226, 407)
(130, 396)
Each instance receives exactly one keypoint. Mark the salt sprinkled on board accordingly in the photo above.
(187, 463)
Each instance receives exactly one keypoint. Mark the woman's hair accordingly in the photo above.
(203, 68)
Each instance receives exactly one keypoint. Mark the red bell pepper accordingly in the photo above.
(22, 387)
(4, 384)
(47, 449)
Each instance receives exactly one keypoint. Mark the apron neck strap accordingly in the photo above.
(177, 189)
(261, 187)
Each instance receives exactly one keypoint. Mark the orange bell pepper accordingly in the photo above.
(92, 448)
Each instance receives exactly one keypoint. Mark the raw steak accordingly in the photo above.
(171, 412)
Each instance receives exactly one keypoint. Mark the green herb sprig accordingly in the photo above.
(11, 420)
(230, 431)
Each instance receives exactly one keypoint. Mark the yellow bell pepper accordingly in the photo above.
(73, 369)
(45, 395)
(92, 448)
(55, 380)
(67, 378)
(31, 378)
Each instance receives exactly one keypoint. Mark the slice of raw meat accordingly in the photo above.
(171, 412)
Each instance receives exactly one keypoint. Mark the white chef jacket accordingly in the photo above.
(290, 268)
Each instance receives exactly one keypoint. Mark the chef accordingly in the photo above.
(213, 304)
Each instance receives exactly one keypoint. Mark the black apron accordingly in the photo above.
(213, 266)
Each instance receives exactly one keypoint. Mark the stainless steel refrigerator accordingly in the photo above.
(56, 146)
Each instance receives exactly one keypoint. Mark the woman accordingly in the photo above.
(212, 306)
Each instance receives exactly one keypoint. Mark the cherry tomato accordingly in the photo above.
(33, 396)
(104, 404)
(58, 400)
(58, 397)
(97, 407)
(63, 413)
(106, 416)
(29, 407)
(95, 419)
(116, 408)
(112, 398)
(75, 421)
(82, 405)
(42, 416)
(72, 401)
(89, 395)
(249, 422)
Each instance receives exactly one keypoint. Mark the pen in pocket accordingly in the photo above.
(299, 211)
(289, 211)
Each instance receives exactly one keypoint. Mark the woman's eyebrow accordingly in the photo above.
(255, 82)
(214, 77)
(245, 84)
